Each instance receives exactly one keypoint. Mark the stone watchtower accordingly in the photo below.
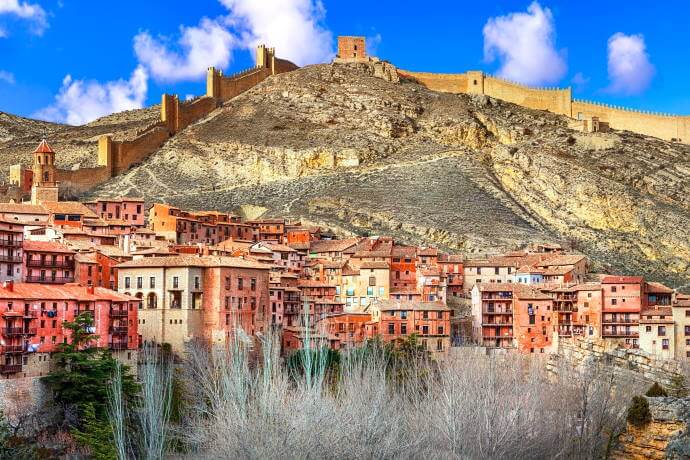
(352, 48)
(45, 185)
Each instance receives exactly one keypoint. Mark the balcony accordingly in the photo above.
(119, 330)
(619, 334)
(30, 262)
(10, 368)
(117, 345)
(10, 259)
(119, 313)
(12, 349)
(11, 243)
(13, 331)
(49, 280)
(487, 310)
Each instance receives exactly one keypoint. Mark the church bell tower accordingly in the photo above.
(45, 186)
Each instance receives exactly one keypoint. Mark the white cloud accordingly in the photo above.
(580, 81)
(202, 46)
(294, 27)
(630, 71)
(524, 44)
(7, 77)
(80, 101)
(373, 43)
(3, 33)
(25, 10)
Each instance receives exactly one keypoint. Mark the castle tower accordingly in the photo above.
(45, 185)
(352, 48)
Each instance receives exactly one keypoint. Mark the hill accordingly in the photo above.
(335, 145)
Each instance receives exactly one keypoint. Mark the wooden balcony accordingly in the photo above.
(10, 368)
(119, 313)
(118, 345)
(11, 243)
(119, 330)
(7, 349)
(50, 263)
(49, 279)
(10, 259)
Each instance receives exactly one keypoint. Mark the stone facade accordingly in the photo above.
(664, 437)
(633, 365)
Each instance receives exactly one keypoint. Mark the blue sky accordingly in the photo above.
(71, 61)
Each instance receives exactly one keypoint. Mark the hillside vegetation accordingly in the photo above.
(335, 145)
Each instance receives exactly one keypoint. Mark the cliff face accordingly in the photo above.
(347, 146)
(664, 437)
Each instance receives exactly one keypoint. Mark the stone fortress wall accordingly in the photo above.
(117, 156)
(557, 100)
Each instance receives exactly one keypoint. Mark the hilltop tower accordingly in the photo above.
(45, 185)
(352, 48)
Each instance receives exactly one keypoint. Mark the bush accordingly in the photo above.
(655, 391)
(638, 412)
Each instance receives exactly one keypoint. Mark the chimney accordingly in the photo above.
(9, 285)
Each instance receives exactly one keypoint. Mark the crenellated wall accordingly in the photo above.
(557, 100)
(117, 156)
(664, 126)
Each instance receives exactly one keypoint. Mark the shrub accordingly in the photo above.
(638, 412)
(655, 391)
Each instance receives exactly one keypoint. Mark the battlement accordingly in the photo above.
(665, 126)
(117, 156)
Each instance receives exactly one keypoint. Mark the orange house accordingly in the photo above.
(344, 330)
(430, 321)
(623, 299)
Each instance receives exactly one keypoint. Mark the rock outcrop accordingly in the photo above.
(666, 436)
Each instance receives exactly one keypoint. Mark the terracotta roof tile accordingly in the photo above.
(193, 261)
(46, 246)
(43, 147)
(68, 207)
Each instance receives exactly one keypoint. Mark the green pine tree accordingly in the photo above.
(83, 372)
(95, 434)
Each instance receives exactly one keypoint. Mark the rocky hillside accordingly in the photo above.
(335, 145)
(76, 145)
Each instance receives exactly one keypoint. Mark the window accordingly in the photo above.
(425, 314)
(613, 289)
(531, 319)
(613, 302)
(252, 284)
(662, 331)
(382, 291)
(152, 282)
(648, 329)
(176, 282)
(496, 270)
(240, 283)
(403, 314)
(439, 345)
(403, 328)
(687, 330)
(197, 282)
(425, 330)
(664, 344)
(370, 291)
(127, 282)
(140, 282)
(391, 328)
(440, 330)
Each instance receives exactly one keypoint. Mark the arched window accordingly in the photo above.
(152, 301)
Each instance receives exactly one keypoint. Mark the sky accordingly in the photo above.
(72, 61)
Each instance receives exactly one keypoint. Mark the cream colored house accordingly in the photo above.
(681, 317)
(360, 287)
(171, 299)
(657, 332)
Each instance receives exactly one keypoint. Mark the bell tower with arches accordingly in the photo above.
(45, 185)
